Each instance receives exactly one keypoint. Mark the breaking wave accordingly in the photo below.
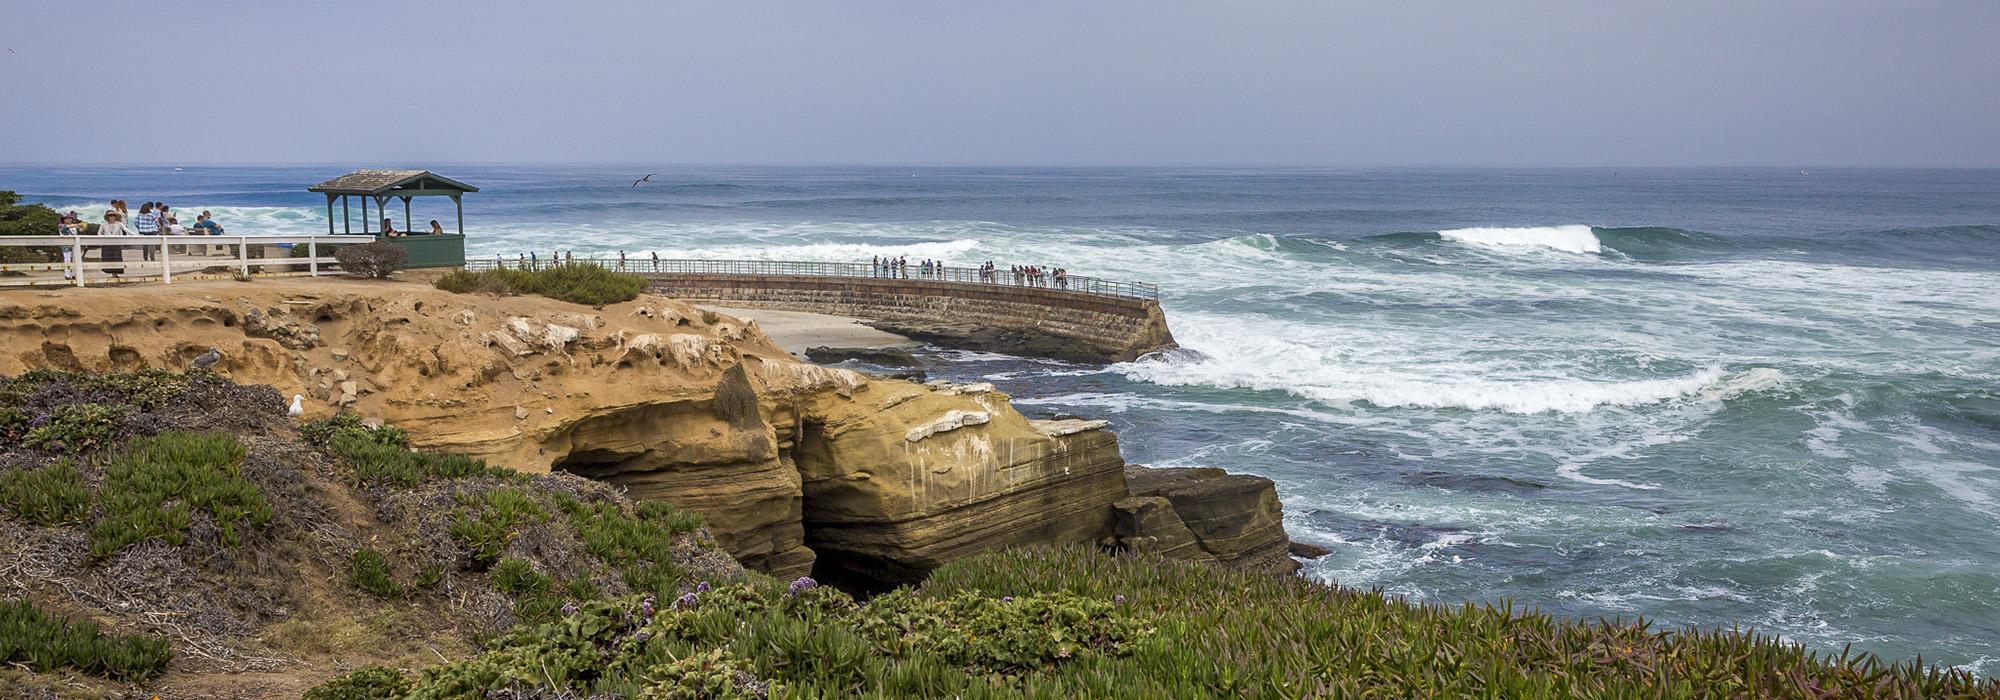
(1574, 238)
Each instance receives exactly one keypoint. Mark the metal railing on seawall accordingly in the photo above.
(185, 254)
(777, 268)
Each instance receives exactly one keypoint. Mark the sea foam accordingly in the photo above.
(1574, 238)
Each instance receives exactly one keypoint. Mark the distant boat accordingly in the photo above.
(179, 169)
(1802, 171)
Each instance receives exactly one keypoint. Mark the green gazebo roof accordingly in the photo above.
(392, 183)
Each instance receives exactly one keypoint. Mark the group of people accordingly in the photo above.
(1022, 275)
(1038, 276)
(153, 219)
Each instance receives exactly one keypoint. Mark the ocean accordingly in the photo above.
(1756, 398)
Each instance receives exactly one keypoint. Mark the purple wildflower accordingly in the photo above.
(569, 609)
(701, 587)
(1118, 599)
(641, 636)
(686, 602)
(647, 606)
(803, 584)
(1007, 599)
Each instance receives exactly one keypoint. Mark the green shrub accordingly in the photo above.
(369, 571)
(639, 545)
(44, 643)
(365, 683)
(154, 486)
(76, 428)
(484, 524)
(51, 495)
(18, 219)
(373, 260)
(576, 283)
(378, 456)
(321, 433)
(999, 635)
(1231, 634)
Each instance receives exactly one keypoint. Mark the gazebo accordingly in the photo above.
(383, 185)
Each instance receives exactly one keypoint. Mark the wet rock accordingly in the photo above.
(1472, 482)
(1303, 550)
(882, 357)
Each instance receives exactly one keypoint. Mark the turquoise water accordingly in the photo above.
(1717, 397)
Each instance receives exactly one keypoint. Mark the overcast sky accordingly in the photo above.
(1672, 82)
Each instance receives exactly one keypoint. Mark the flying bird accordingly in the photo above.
(297, 409)
(207, 359)
(647, 178)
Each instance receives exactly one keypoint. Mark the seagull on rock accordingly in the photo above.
(207, 359)
(297, 408)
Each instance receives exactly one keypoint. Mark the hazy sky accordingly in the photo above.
(1672, 82)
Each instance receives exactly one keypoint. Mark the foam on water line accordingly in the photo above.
(1574, 238)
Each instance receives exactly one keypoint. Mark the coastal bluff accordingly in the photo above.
(797, 468)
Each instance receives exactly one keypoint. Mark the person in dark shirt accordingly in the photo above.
(205, 225)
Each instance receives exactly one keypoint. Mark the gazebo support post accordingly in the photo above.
(460, 204)
(346, 222)
(406, 215)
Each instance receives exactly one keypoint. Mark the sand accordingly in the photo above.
(797, 330)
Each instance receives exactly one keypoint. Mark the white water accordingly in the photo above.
(1575, 238)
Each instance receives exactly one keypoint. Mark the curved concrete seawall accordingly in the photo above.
(1020, 320)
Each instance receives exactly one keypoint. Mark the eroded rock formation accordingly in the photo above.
(1206, 514)
(884, 477)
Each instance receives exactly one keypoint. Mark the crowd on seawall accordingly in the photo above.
(879, 267)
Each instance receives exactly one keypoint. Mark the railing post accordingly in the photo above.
(243, 254)
(76, 256)
(166, 263)
(312, 253)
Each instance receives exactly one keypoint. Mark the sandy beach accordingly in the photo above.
(797, 330)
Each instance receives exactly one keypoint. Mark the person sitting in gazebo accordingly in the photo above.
(389, 228)
(437, 229)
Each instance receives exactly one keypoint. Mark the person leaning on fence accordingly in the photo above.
(656, 261)
(437, 229)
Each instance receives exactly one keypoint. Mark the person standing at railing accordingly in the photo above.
(114, 225)
(146, 224)
(656, 261)
(621, 261)
(70, 225)
(437, 229)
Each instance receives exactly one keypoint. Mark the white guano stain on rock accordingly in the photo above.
(951, 420)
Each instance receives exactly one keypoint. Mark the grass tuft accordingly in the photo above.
(154, 486)
(45, 643)
(49, 496)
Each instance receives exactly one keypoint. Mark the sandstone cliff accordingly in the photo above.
(782, 457)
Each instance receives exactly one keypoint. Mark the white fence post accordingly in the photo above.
(166, 263)
(312, 252)
(243, 254)
(76, 256)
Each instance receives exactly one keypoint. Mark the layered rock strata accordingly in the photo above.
(1205, 514)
